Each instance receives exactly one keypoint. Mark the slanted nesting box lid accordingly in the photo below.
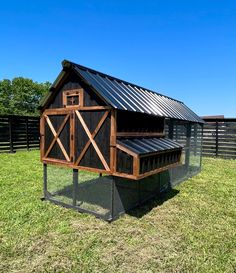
(146, 146)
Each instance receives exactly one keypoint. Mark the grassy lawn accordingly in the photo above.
(195, 231)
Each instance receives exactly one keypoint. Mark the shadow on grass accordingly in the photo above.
(131, 197)
(152, 203)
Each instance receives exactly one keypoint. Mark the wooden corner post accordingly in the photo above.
(42, 136)
(113, 140)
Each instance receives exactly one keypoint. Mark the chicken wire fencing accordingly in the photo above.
(190, 136)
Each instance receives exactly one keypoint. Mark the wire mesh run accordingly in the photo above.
(106, 197)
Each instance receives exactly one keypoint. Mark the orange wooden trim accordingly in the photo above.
(58, 111)
(140, 134)
(93, 136)
(113, 150)
(42, 136)
(91, 169)
(141, 176)
(126, 150)
(72, 136)
(125, 175)
(136, 164)
(158, 170)
(81, 98)
(64, 163)
(74, 92)
(94, 108)
(57, 135)
(57, 139)
(113, 127)
(92, 141)
(56, 161)
(113, 159)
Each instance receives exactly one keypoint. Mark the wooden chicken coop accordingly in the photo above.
(98, 123)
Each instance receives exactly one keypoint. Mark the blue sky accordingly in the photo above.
(184, 49)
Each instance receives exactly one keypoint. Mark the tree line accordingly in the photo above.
(21, 96)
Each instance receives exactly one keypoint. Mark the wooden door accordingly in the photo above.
(57, 136)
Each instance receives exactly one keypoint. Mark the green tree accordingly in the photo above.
(5, 96)
(21, 96)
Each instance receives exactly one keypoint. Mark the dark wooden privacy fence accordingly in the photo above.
(18, 132)
(219, 137)
(22, 132)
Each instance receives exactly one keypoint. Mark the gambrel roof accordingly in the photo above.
(123, 95)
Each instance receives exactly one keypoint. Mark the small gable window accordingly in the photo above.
(73, 98)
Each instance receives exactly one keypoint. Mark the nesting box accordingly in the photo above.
(95, 122)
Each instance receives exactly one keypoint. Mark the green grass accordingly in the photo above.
(195, 231)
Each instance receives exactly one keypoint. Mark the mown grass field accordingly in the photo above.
(195, 231)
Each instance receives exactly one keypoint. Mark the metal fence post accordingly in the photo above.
(45, 179)
(187, 150)
(195, 135)
(201, 152)
(75, 186)
(112, 198)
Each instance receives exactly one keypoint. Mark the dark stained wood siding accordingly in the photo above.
(138, 122)
(73, 82)
(153, 162)
(124, 162)
(102, 139)
(64, 136)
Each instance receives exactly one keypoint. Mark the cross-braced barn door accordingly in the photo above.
(78, 138)
(92, 139)
(57, 137)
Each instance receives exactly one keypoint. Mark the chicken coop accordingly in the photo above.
(108, 145)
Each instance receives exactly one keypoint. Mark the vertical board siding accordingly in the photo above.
(124, 162)
(70, 83)
(102, 139)
(18, 133)
(219, 138)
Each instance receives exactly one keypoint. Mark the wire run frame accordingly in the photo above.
(114, 195)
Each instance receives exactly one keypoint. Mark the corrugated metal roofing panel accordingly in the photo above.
(127, 96)
(149, 145)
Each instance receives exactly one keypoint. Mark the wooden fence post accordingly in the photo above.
(10, 134)
(217, 139)
(27, 133)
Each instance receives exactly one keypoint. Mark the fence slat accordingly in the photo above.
(219, 138)
(18, 132)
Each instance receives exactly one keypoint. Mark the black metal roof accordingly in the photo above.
(123, 95)
(149, 145)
